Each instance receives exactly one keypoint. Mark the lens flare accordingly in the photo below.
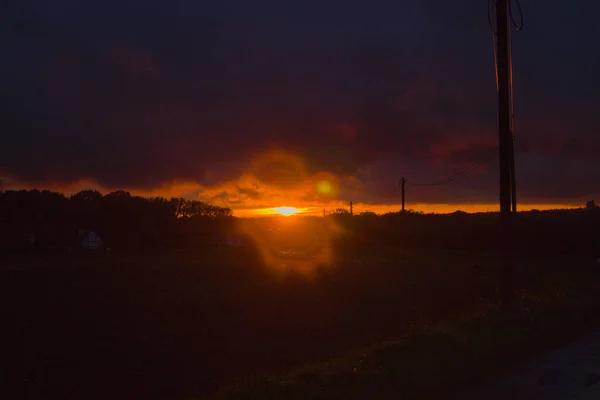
(324, 187)
(301, 247)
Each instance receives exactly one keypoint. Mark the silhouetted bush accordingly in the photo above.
(552, 232)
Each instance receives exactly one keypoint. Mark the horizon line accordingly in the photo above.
(427, 208)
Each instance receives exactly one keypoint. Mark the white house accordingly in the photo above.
(89, 240)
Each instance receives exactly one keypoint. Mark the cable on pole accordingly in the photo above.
(518, 26)
(491, 19)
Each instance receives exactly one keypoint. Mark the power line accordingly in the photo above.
(457, 175)
(491, 18)
(492, 10)
(452, 177)
(492, 15)
(518, 26)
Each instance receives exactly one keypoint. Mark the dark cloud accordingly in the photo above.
(136, 93)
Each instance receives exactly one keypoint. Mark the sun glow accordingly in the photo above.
(287, 211)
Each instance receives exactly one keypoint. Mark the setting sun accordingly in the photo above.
(286, 210)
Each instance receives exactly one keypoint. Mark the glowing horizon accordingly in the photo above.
(285, 211)
(191, 190)
(386, 208)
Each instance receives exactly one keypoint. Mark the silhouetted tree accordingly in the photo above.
(340, 212)
(121, 219)
(591, 205)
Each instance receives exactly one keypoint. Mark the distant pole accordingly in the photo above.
(351, 208)
(403, 186)
(323, 213)
(505, 145)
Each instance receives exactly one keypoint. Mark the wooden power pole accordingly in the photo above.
(402, 184)
(351, 208)
(513, 182)
(505, 147)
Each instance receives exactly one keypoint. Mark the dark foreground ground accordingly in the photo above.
(173, 325)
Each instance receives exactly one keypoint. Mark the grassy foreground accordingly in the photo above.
(442, 360)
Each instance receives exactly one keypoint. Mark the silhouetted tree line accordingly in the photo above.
(551, 232)
(126, 221)
(49, 219)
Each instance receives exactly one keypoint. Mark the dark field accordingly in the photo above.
(174, 324)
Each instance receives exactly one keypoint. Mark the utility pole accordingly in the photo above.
(351, 208)
(505, 144)
(403, 186)
(513, 182)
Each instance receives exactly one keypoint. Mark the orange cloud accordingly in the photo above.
(170, 189)
(277, 178)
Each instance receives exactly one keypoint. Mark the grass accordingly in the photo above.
(180, 324)
(441, 360)
(436, 362)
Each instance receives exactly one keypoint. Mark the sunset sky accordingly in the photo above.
(251, 104)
